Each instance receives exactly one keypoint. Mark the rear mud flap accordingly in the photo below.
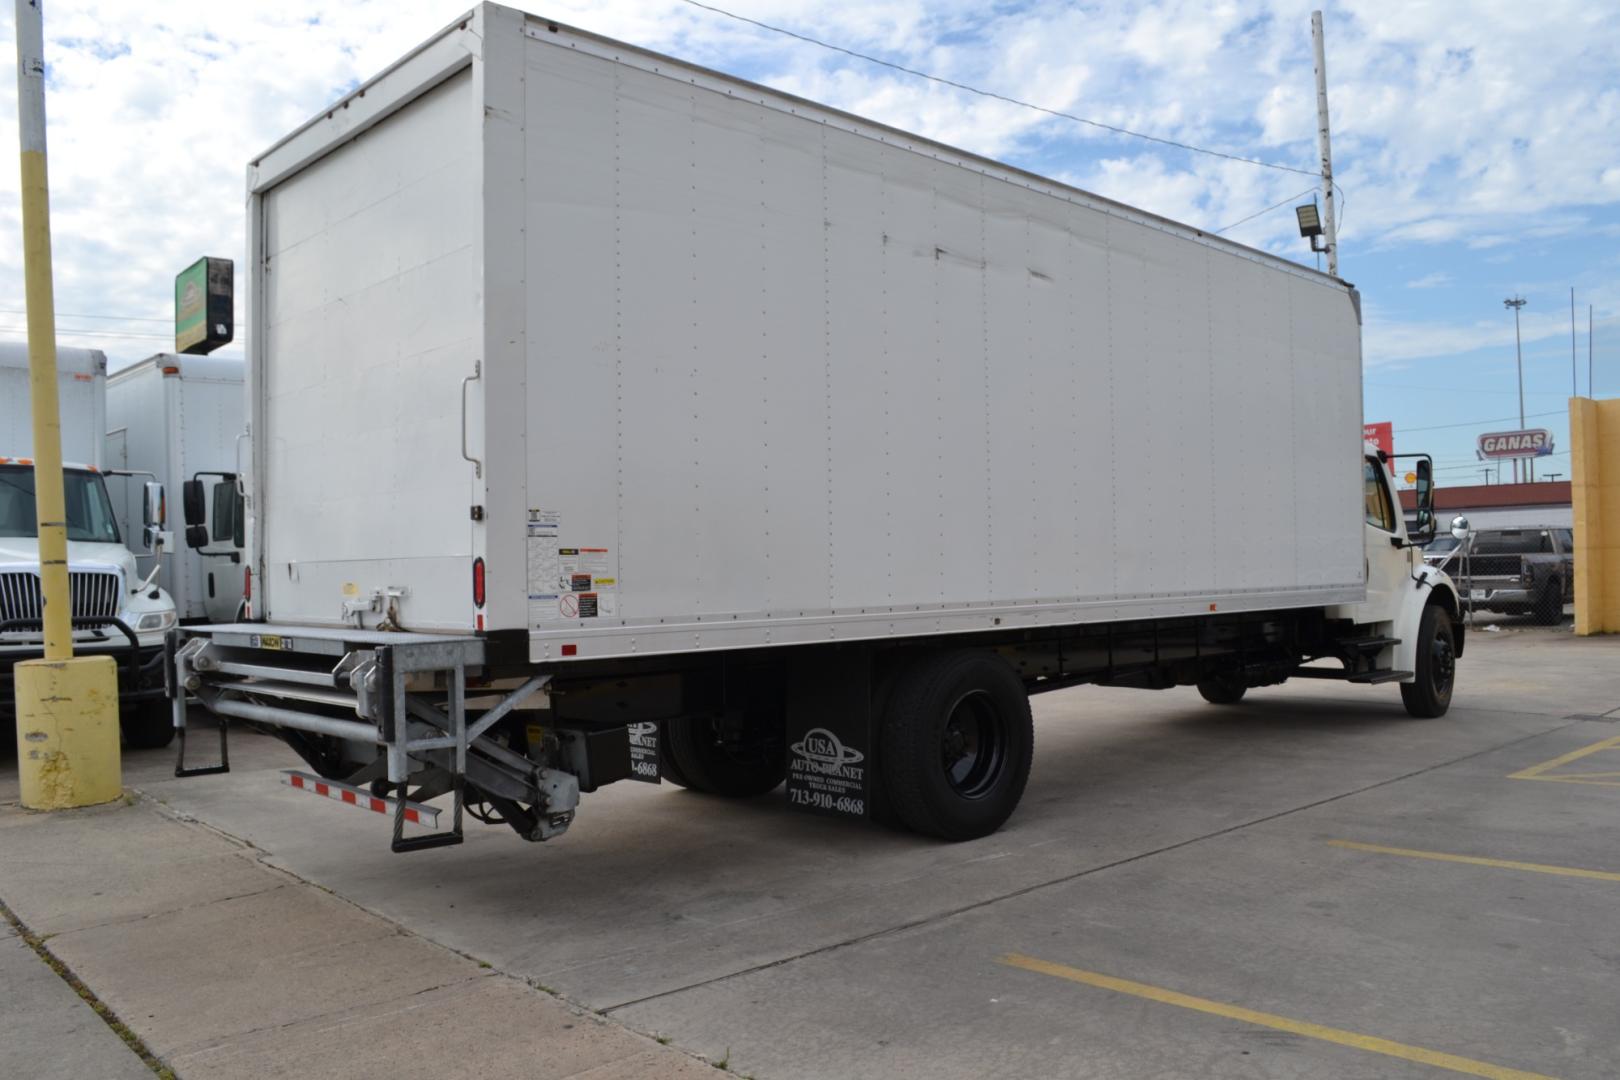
(829, 735)
(644, 751)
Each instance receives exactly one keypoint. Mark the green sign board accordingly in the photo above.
(204, 315)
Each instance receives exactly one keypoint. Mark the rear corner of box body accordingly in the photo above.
(366, 307)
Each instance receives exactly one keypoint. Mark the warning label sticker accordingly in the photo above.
(543, 564)
(567, 582)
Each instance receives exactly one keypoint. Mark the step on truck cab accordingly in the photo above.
(804, 471)
(116, 609)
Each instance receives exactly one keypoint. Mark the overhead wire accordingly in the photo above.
(71, 315)
(63, 332)
(1114, 128)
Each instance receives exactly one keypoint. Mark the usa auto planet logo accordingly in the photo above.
(825, 753)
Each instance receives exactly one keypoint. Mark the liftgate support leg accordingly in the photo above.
(396, 710)
(174, 683)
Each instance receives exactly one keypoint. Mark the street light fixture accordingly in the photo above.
(1310, 224)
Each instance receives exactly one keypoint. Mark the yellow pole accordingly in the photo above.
(1594, 435)
(67, 708)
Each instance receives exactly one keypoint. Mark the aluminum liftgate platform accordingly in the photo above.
(408, 693)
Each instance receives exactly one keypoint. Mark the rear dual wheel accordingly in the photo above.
(721, 756)
(956, 745)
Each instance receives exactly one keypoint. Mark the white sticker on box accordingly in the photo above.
(567, 583)
(544, 564)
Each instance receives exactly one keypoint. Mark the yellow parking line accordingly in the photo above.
(1534, 772)
(1280, 1023)
(1476, 860)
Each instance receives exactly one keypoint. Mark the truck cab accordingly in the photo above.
(1410, 627)
(115, 610)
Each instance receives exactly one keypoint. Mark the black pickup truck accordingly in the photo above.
(1528, 570)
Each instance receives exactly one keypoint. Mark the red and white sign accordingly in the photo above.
(1381, 435)
(1532, 442)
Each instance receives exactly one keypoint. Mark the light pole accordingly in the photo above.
(1518, 343)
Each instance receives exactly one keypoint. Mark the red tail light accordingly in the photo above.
(247, 591)
(478, 582)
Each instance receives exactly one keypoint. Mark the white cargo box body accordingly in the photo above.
(754, 372)
(81, 400)
(176, 416)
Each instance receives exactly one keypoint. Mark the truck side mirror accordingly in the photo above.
(1459, 528)
(1425, 501)
(154, 510)
(197, 536)
(193, 506)
(225, 506)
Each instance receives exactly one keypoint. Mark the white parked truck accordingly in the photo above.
(616, 419)
(116, 609)
(178, 420)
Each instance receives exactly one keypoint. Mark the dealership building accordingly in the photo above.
(1495, 506)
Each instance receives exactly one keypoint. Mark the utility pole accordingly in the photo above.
(1330, 230)
(67, 707)
(1516, 303)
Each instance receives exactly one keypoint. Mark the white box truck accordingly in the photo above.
(178, 419)
(116, 610)
(614, 418)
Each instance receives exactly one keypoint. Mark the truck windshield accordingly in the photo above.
(89, 511)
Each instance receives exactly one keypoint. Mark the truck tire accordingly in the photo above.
(148, 726)
(1549, 606)
(956, 744)
(1429, 694)
(667, 769)
(1222, 688)
(739, 769)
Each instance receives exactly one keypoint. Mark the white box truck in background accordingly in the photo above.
(613, 418)
(178, 419)
(116, 610)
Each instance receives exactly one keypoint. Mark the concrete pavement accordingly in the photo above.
(1183, 881)
(47, 1030)
(228, 968)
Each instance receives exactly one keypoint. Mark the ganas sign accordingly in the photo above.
(1535, 442)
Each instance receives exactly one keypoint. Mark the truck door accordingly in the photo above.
(1387, 563)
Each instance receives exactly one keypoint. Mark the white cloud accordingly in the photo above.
(1430, 280)
(1448, 131)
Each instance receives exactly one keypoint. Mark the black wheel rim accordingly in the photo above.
(973, 745)
(1442, 664)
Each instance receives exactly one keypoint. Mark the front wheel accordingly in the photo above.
(956, 744)
(1222, 688)
(1429, 694)
(148, 726)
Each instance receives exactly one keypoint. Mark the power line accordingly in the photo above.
(1267, 210)
(1473, 423)
(70, 315)
(998, 97)
(22, 331)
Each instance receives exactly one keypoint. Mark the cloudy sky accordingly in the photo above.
(1479, 155)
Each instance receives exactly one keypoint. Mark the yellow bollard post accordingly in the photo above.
(1594, 435)
(67, 707)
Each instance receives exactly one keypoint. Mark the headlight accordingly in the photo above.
(156, 620)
